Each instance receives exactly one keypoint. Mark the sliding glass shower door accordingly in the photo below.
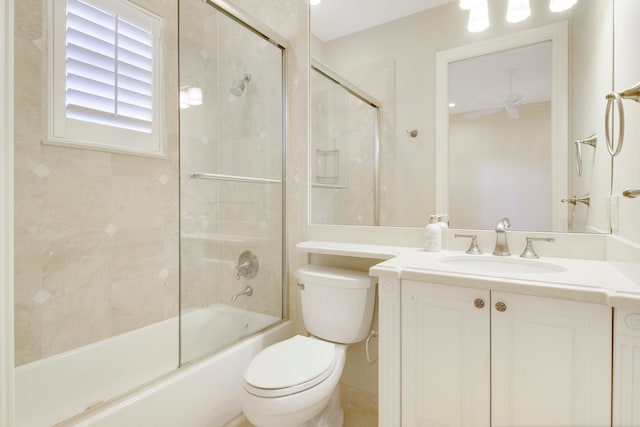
(232, 184)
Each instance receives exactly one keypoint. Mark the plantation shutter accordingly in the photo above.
(108, 74)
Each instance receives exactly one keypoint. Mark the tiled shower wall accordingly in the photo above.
(96, 233)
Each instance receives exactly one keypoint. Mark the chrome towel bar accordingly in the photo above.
(586, 200)
(218, 177)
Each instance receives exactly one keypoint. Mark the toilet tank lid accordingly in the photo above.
(334, 277)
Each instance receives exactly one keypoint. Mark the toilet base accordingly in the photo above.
(331, 416)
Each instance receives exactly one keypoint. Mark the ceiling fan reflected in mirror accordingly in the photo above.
(508, 103)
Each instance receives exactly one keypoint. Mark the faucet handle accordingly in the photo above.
(247, 265)
(529, 252)
(473, 248)
(503, 224)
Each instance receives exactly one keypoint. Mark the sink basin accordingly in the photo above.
(494, 264)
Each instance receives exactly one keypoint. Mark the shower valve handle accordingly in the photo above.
(247, 265)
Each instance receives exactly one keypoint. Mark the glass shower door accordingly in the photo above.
(232, 186)
(343, 154)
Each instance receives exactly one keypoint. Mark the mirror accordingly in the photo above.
(415, 58)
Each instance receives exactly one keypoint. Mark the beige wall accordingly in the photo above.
(592, 41)
(501, 167)
(96, 248)
(627, 73)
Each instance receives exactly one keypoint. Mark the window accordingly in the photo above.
(105, 77)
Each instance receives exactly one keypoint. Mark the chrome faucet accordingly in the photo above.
(248, 291)
(502, 247)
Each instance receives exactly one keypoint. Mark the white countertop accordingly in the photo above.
(576, 279)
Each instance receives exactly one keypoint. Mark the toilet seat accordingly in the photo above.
(290, 366)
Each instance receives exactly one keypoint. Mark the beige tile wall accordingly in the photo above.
(74, 271)
(96, 233)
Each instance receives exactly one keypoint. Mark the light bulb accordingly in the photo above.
(315, 2)
(479, 18)
(518, 10)
(469, 4)
(561, 5)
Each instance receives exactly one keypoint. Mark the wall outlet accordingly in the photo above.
(613, 212)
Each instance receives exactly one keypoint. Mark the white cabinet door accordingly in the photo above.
(550, 362)
(445, 356)
(626, 368)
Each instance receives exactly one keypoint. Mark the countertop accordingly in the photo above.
(575, 279)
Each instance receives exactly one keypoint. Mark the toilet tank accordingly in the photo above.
(337, 304)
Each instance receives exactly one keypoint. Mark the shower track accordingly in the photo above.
(218, 177)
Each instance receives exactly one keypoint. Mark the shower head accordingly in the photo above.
(238, 86)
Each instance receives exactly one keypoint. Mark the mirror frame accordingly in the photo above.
(558, 35)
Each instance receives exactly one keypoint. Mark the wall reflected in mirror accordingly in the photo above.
(395, 61)
(499, 141)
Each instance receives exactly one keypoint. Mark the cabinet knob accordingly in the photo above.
(479, 303)
(500, 306)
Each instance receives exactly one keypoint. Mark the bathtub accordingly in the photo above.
(203, 393)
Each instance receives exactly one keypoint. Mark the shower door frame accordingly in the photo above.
(6, 215)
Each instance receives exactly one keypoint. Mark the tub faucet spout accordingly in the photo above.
(502, 246)
(248, 291)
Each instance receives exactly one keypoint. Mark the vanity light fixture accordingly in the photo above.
(561, 5)
(518, 10)
(478, 17)
(315, 2)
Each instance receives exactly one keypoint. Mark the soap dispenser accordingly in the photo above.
(443, 221)
(433, 235)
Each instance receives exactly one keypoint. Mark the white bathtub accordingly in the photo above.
(205, 393)
(199, 337)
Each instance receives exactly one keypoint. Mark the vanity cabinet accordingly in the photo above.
(626, 371)
(475, 357)
(445, 355)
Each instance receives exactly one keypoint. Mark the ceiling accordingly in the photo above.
(483, 82)
(336, 18)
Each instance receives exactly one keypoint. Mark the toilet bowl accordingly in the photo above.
(291, 382)
(295, 382)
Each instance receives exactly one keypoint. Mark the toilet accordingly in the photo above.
(295, 382)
